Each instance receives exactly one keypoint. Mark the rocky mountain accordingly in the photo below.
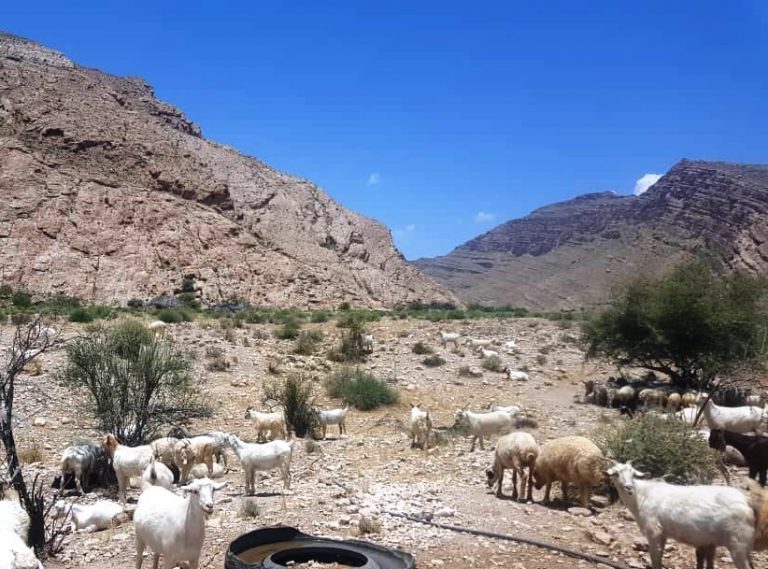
(572, 254)
(109, 193)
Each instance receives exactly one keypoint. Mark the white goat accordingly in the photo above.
(735, 419)
(89, 518)
(272, 423)
(446, 337)
(487, 353)
(484, 424)
(701, 516)
(367, 343)
(332, 417)
(158, 326)
(477, 342)
(511, 346)
(127, 461)
(157, 474)
(515, 375)
(513, 410)
(420, 427)
(14, 526)
(171, 526)
(265, 457)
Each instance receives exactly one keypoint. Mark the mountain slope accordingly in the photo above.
(110, 193)
(571, 254)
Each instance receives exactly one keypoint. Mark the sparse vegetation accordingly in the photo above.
(295, 395)
(360, 389)
(493, 363)
(668, 449)
(433, 361)
(541, 360)
(352, 348)
(308, 342)
(173, 315)
(31, 454)
(288, 331)
(135, 382)
(421, 349)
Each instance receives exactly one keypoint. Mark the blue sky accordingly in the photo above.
(442, 119)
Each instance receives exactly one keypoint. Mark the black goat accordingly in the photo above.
(753, 448)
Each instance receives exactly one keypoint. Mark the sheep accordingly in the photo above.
(517, 451)
(266, 456)
(127, 462)
(688, 399)
(90, 518)
(272, 423)
(483, 424)
(652, 397)
(83, 463)
(446, 337)
(420, 427)
(158, 327)
(569, 460)
(623, 396)
(595, 392)
(475, 343)
(171, 526)
(515, 374)
(735, 419)
(332, 417)
(157, 474)
(701, 516)
(487, 353)
(754, 449)
(674, 401)
(367, 343)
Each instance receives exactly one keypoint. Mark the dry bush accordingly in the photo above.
(368, 525)
(249, 508)
(30, 454)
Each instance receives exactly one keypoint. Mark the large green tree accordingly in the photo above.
(691, 324)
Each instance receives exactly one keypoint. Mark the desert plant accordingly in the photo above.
(288, 331)
(173, 315)
(319, 316)
(662, 448)
(31, 453)
(249, 508)
(21, 299)
(218, 363)
(433, 361)
(295, 395)
(274, 365)
(307, 342)
(541, 360)
(135, 381)
(352, 348)
(360, 389)
(368, 524)
(493, 363)
(82, 315)
(421, 349)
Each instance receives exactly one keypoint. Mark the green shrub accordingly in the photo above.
(21, 299)
(433, 361)
(173, 315)
(189, 300)
(136, 382)
(80, 315)
(360, 389)
(18, 318)
(295, 395)
(493, 363)
(668, 449)
(288, 331)
(319, 316)
(307, 342)
(421, 349)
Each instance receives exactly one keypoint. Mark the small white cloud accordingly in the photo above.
(374, 179)
(404, 231)
(484, 217)
(642, 185)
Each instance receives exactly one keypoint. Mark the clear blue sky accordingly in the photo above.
(424, 114)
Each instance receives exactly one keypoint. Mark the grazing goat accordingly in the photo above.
(517, 451)
(487, 353)
(484, 424)
(569, 460)
(127, 461)
(446, 337)
(90, 518)
(477, 343)
(272, 423)
(332, 417)
(420, 427)
(157, 474)
(734, 419)
(702, 516)
(513, 374)
(754, 449)
(265, 457)
(171, 526)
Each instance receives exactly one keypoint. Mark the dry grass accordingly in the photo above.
(30, 454)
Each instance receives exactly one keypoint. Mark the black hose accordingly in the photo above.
(506, 537)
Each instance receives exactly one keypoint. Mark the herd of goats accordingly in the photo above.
(176, 475)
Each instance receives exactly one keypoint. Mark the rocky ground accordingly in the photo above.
(373, 472)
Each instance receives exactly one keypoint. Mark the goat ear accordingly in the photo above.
(190, 488)
(219, 485)
(639, 474)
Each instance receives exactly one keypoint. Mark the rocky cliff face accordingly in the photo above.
(572, 254)
(109, 193)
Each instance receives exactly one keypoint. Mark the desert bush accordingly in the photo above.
(493, 363)
(360, 389)
(352, 348)
(295, 395)
(82, 315)
(466, 371)
(421, 349)
(307, 342)
(288, 331)
(21, 299)
(319, 316)
(31, 453)
(433, 361)
(249, 508)
(541, 360)
(368, 524)
(274, 365)
(173, 315)
(219, 363)
(668, 449)
(135, 382)
(312, 447)
(19, 318)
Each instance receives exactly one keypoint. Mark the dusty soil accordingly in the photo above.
(373, 470)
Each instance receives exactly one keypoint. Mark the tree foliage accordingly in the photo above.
(690, 324)
(135, 381)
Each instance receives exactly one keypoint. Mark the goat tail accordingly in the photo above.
(758, 499)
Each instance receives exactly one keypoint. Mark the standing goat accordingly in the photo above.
(446, 337)
(484, 424)
(127, 461)
(735, 419)
(420, 427)
(328, 417)
(266, 456)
